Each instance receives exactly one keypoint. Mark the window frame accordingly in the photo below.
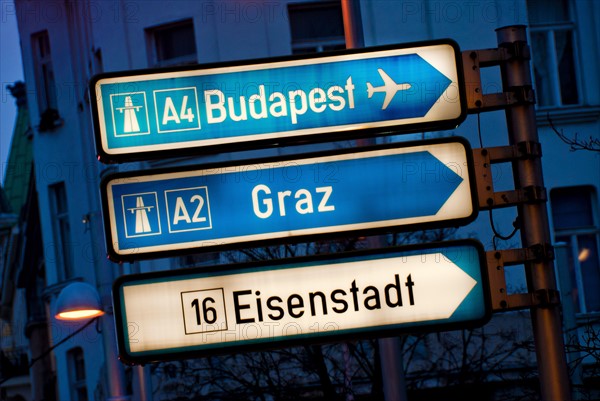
(300, 46)
(76, 366)
(573, 234)
(47, 96)
(61, 227)
(152, 45)
(549, 29)
(197, 260)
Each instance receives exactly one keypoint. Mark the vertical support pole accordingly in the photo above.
(143, 384)
(353, 31)
(117, 387)
(547, 330)
(394, 384)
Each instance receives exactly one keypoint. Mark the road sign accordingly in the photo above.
(406, 186)
(177, 314)
(152, 113)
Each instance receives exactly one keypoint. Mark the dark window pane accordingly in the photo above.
(566, 67)
(572, 208)
(44, 72)
(62, 228)
(571, 287)
(204, 259)
(316, 27)
(306, 50)
(541, 68)
(316, 21)
(43, 45)
(49, 86)
(590, 270)
(174, 42)
(76, 367)
(333, 47)
(547, 11)
(79, 366)
(82, 394)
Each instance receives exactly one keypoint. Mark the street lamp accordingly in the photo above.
(78, 301)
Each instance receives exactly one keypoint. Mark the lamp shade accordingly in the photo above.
(78, 301)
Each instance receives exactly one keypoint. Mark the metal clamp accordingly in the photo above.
(518, 50)
(485, 157)
(520, 151)
(474, 60)
(536, 253)
(496, 262)
(515, 197)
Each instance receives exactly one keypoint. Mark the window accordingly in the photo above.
(316, 27)
(62, 231)
(44, 80)
(202, 259)
(575, 223)
(552, 42)
(76, 366)
(172, 44)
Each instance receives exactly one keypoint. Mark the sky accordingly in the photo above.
(11, 70)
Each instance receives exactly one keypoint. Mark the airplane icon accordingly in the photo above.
(390, 88)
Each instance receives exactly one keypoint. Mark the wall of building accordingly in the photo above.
(90, 37)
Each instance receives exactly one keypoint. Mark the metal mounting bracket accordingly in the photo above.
(498, 260)
(485, 157)
(474, 60)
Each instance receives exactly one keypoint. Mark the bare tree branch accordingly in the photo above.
(575, 143)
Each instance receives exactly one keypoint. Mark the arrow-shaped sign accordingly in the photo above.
(406, 186)
(146, 114)
(207, 311)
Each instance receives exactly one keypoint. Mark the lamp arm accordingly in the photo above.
(49, 350)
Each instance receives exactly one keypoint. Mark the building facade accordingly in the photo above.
(64, 44)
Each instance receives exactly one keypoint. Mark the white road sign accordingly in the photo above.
(172, 314)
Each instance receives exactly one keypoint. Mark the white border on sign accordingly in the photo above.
(457, 206)
(440, 56)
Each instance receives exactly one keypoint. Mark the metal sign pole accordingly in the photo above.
(547, 330)
(394, 383)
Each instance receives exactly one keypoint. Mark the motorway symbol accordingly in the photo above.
(128, 114)
(131, 123)
(140, 214)
(400, 186)
(325, 298)
(142, 225)
(409, 88)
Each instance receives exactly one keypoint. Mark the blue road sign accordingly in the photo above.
(146, 114)
(151, 214)
(328, 298)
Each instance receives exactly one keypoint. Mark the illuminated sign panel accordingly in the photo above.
(409, 185)
(171, 314)
(147, 114)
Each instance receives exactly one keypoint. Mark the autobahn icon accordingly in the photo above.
(129, 114)
(140, 215)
